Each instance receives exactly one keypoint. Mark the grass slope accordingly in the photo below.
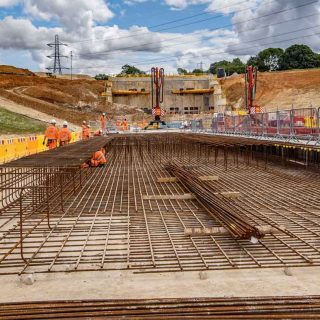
(14, 123)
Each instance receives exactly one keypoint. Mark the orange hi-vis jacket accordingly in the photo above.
(125, 125)
(103, 122)
(98, 159)
(64, 136)
(85, 132)
(118, 124)
(52, 136)
(52, 133)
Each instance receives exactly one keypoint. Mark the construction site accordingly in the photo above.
(216, 218)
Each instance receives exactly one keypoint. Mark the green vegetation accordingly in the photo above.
(269, 59)
(13, 123)
(130, 70)
(236, 65)
(101, 76)
(198, 71)
(182, 71)
(298, 56)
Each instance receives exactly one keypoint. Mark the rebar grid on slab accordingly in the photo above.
(108, 222)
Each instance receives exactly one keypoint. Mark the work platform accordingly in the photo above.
(68, 156)
(120, 217)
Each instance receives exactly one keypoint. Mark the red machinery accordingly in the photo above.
(157, 85)
(250, 79)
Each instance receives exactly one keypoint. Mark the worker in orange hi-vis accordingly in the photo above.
(118, 124)
(64, 135)
(98, 159)
(125, 125)
(85, 131)
(103, 120)
(51, 135)
(98, 133)
(144, 123)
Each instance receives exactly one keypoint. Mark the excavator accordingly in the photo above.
(157, 86)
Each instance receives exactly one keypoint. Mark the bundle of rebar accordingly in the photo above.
(299, 307)
(223, 212)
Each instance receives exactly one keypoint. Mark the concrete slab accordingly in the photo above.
(126, 285)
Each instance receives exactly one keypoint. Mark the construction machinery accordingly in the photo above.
(250, 79)
(157, 86)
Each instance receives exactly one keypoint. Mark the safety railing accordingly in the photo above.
(285, 124)
(15, 148)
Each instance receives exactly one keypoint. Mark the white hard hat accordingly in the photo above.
(53, 121)
(65, 123)
(104, 114)
(84, 122)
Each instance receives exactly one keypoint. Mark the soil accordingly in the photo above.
(297, 88)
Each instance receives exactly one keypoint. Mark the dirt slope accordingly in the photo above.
(73, 101)
(32, 113)
(13, 70)
(300, 88)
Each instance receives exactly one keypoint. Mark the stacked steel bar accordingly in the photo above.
(300, 307)
(238, 225)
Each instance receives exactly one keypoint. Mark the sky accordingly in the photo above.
(104, 35)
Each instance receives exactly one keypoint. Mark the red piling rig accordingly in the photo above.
(157, 84)
(250, 79)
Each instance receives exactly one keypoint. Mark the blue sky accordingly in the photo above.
(106, 34)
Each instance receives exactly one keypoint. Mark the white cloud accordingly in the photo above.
(182, 4)
(22, 34)
(273, 16)
(8, 3)
(133, 2)
(230, 6)
(137, 45)
(75, 15)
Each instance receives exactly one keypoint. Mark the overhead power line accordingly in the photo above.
(232, 51)
(246, 31)
(236, 51)
(166, 23)
(106, 52)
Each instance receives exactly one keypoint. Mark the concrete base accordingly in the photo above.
(126, 285)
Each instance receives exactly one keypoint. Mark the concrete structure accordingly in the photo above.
(183, 94)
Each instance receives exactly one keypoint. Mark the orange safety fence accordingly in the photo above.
(15, 148)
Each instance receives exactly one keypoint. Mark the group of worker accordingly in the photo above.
(100, 132)
(54, 137)
(124, 125)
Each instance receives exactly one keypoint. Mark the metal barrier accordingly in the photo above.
(285, 124)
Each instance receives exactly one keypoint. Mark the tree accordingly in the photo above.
(182, 71)
(299, 56)
(101, 76)
(236, 65)
(253, 61)
(216, 65)
(270, 59)
(131, 70)
(198, 71)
